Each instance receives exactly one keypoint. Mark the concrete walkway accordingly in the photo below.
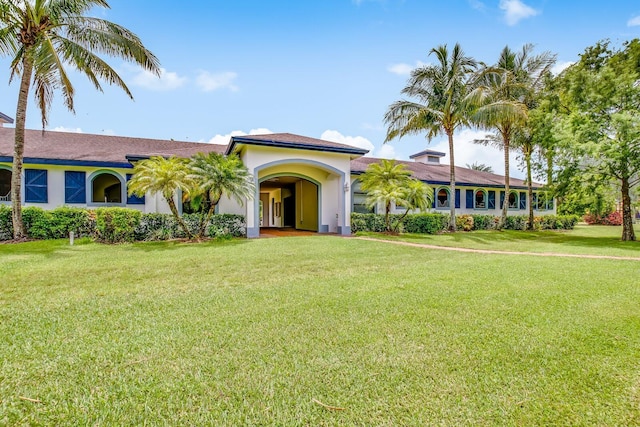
(489, 251)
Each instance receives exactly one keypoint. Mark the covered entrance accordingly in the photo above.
(289, 202)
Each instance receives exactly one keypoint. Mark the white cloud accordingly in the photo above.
(403, 69)
(213, 81)
(224, 139)
(634, 22)
(167, 80)
(466, 152)
(515, 11)
(561, 66)
(65, 129)
(385, 151)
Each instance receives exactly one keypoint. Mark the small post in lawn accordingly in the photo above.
(71, 238)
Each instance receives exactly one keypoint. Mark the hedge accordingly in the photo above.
(114, 225)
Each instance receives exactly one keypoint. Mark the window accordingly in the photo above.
(131, 199)
(106, 188)
(35, 186)
(442, 198)
(523, 201)
(512, 202)
(542, 201)
(480, 200)
(5, 185)
(360, 203)
(75, 187)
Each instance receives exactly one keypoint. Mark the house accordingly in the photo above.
(301, 182)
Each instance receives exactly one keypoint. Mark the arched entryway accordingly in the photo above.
(5, 185)
(289, 202)
(106, 188)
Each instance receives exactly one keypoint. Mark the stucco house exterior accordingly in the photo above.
(301, 182)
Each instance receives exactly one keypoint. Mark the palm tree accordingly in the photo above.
(417, 196)
(504, 94)
(389, 182)
(479, 167)
(441, 106)
(41, 37)
(216, 176)
(165, 176)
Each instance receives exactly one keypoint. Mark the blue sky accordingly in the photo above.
(320, 68)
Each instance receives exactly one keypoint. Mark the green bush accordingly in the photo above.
(464, 222)
(367, 222)
(36, 222)
(557, 222)
(516, 222)
(154, 226)
(6, 225)
(426, 223)
(64, 220)
(484, 222)
(116, 225)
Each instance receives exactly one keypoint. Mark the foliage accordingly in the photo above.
(428, 223)
(42, 38)
(440, 107)
(613, 218)
(464, 222)
(370, 222)
(44, 224)
(479, 167)
(116, 225)
(484, 222)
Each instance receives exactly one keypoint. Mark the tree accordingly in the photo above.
(441, 104)
(42, 37)
(504, 94)
(389, 182)
(164, 176)
(601, 133)
(479, 167)
(215, 176)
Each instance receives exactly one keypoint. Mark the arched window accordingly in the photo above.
(513, 200)
(106, 188)
(5, 185)
(442, 198)
(480, 199)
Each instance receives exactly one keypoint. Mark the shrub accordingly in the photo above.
(613, 218)
(426, 223)
(367, 222)
(6, 225)
(65, 219)
(484, 222)
(116, 225)
(37, 222)
(464, 222)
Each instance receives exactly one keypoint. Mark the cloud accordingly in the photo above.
(634, 22)
(515, 11)
(224, 139)
(386, 151)
(468, 152)
(209, 82)
(167, 80)
(403, 69)
(65, 129)
(561, 66)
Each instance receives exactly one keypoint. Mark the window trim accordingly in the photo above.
(448, 206)
(486, 199)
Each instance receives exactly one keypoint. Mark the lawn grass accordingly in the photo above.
(584, 239)
(251, 332)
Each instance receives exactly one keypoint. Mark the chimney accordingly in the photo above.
(427, 157)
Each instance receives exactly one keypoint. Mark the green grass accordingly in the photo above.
(584, 239)
(251, 332)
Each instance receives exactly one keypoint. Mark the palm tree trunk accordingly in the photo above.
(387, 220)
(203, 226)
(505, 204)
(18, 150)
(628, 234)
(452, 185)
(529, 190)
(174, 211)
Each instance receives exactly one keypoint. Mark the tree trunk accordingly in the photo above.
(529, 191)
(18, 150)
(628, 234)
(505, 204)
(174, 211)
(452, 185)
(387, 221)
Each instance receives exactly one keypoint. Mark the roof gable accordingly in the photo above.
(289, 140)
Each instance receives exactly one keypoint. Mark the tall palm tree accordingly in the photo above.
(440, 105)
(165, 176)
(42, 37)
(504, 93)
(216, 176)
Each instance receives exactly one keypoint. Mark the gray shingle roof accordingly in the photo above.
(289, 140)
(97, 148)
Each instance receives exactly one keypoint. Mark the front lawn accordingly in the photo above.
(258, 332)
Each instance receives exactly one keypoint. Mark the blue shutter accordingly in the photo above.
(469, 196)
(35, 186)
(501, 199)
(492, 199)
(523, 201)
(457, 198)
(75, 187)
(133, 200)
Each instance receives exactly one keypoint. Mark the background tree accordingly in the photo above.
(165, 176)
(601, 133)
(504, 93)
(42, 37)
(388, 183)
(215, 176)
(440, 105)
(479, 167)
